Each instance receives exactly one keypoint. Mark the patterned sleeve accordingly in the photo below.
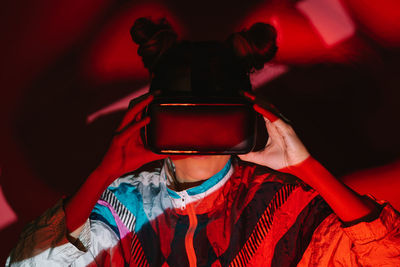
(375, 243)
(45, 242)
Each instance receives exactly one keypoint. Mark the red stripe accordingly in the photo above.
(189, 236)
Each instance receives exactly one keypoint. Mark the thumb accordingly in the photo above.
(251, 157)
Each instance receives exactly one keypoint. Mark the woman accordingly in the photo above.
(211, 210)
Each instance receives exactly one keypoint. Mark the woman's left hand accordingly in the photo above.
(283, 149)
(286, 153)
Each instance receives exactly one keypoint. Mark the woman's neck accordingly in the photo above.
(193, 171)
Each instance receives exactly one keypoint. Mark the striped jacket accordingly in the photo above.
(245, 215)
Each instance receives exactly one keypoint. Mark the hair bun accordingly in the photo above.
(254, 47)
(153, 38)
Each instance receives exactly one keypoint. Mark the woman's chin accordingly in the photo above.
(179, 157)
(200, 157)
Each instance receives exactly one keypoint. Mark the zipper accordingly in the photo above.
(191, 254)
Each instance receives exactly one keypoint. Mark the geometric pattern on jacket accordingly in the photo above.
(244, 215)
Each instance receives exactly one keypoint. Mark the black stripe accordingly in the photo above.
(252, 214)
(131, 222)
(205, 252)
(264, 229)
(235, 264)
(135, 249)
(241, 259)
(136, 254)
(141, 261)
(114, 202)
(268, 218)
(258, 235)
(280, 197)
(290, 248)
(178, 255)
(264, 221)
(123, 213)
(149, 241)
(252, 247)
(246, 257)
(127, 218)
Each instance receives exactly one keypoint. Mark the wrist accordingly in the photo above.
(347, 205)
(309, 171)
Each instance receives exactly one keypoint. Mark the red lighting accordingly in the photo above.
(329, 18)
(8, 216)
(113, 55)
(378, 19)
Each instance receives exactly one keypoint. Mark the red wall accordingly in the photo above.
(64, 60)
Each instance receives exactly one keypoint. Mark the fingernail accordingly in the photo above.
(247, 94)
(149, 99)
(267, 114)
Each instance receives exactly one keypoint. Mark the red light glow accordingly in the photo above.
(378, 19)
(113, 55)
(8, 216)
(329, 18)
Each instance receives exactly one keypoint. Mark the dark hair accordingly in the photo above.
(255, 46)
(202, 67)
(153, 38)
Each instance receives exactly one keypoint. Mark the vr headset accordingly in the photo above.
(203, 126)
(200, 110)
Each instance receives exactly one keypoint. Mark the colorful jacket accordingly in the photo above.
(245, 215)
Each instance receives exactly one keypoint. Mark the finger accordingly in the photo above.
(272, 130)
(279, 131)
(249, 156)
(260, 101)
(136, 100)
(265, 105)
(276, 138)
(265, 113)
(133, 129)
(249, 95)
(133, 112)
(258, 157)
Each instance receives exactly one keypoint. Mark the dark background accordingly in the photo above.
(64, 60)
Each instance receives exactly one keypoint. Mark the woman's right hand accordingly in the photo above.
(127, 152)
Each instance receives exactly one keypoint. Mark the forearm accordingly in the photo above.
(114, 164)
(347, 204)
(80, 205)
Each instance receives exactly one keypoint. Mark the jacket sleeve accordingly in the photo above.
(375, 243)
(45, 242)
